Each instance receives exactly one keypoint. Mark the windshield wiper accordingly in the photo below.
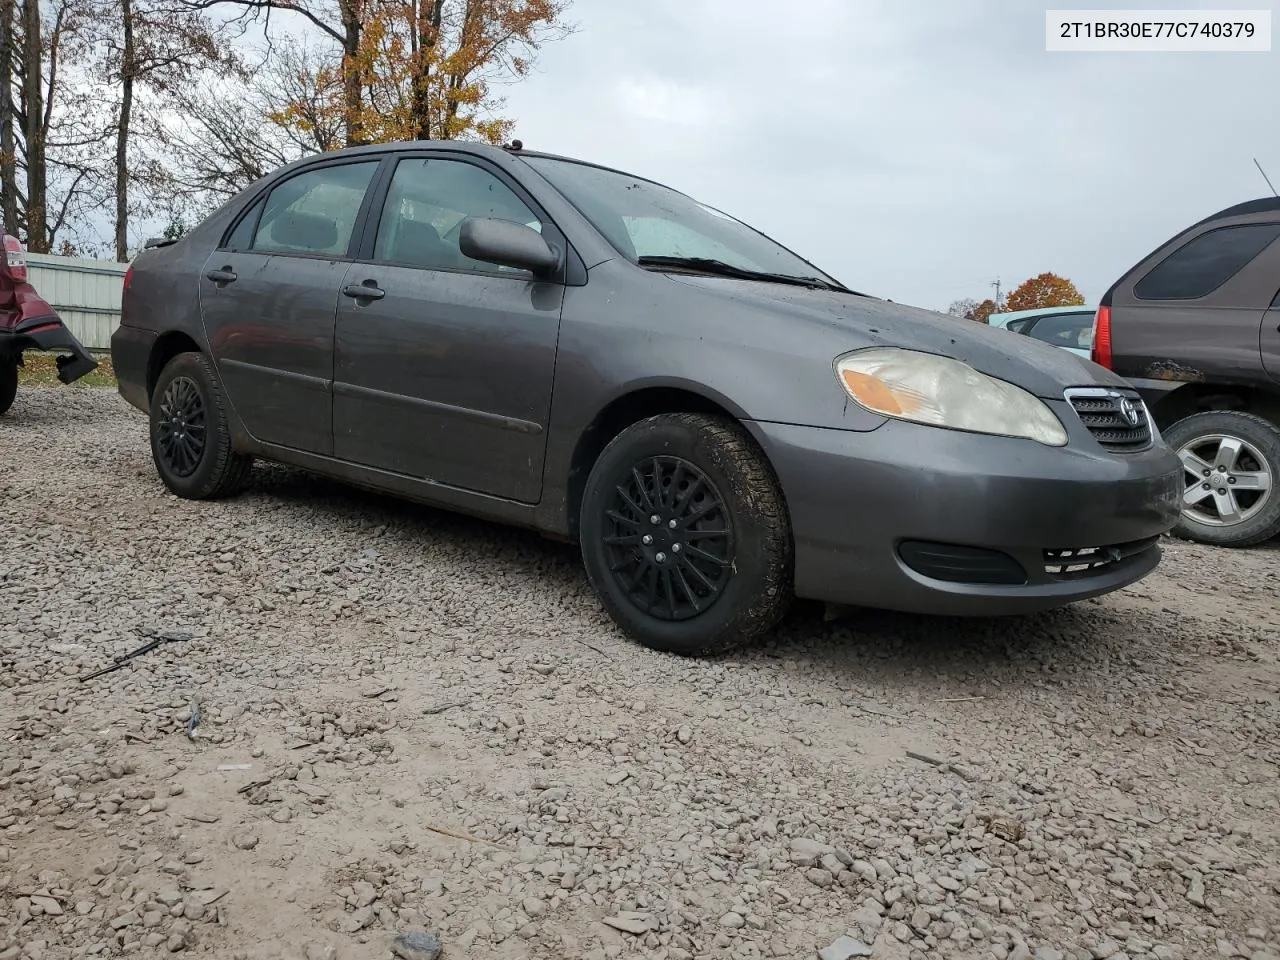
(721, 269)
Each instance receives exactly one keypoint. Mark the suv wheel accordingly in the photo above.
(190, 439)
(685, 535)
(1231, 465)
(8, 383)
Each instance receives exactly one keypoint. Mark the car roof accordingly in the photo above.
(1003, 319)
(467, 146)
(1248, 207)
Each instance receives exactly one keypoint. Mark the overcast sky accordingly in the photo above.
(916, 150)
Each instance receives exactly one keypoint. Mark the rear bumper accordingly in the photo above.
(51, 335)
(919, 519)
(130, 356)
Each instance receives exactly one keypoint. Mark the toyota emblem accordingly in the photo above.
(1129, 412)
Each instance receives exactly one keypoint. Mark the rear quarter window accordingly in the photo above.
(1205, 263)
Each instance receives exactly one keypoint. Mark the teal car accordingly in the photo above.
(1070, 328)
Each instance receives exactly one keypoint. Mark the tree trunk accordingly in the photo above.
(430, 13)
(8, 146)
(33, 97)
(128, 60)
(352, 91)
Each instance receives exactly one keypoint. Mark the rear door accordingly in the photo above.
(1270, 339)
(1195, 309)
(444, 371)
(269, 295)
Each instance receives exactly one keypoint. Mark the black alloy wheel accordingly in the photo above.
(181, 427)
(669, 539)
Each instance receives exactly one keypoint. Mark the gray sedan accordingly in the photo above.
(720, 424)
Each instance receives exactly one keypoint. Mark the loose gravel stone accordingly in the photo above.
(443, 730)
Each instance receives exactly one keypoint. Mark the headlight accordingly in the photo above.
(926, 388)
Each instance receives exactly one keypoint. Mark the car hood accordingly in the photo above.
(851, 322)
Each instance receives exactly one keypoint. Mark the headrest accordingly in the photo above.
(304, 231)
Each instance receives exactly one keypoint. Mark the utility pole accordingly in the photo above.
(996, 283)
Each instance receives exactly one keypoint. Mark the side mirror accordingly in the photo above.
(507, 244)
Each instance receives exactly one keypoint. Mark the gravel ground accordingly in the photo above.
(410, 720)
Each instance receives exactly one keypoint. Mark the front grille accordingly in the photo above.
(1118, 419)
(1073, 563)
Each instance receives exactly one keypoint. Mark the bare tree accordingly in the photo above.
(49, 169)
(8, 144)
(146, 49)
(35, 125)
(296, 94)
(217, 141)
(342, 21)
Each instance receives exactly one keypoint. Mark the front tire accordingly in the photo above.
(8, 383)
(190, 437)
(1231, 466)
(714, 570)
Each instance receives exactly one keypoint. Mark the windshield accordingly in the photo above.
(645, 219)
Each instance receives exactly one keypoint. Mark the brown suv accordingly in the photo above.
(1195, 327)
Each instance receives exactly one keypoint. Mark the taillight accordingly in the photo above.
(1102, 337)
(128, 277)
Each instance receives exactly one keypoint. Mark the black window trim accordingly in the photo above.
(258, 202)
(1186, 242)
(1036, 321)
(363, 252)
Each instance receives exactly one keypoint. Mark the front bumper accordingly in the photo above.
(51, 335)
(916, 518)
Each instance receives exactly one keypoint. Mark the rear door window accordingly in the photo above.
(314, 213)
(241, 237)
(1204, 264)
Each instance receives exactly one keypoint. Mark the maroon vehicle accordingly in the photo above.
(27, 322)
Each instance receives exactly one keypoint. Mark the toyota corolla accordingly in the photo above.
(719, 424)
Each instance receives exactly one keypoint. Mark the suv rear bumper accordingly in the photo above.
(915, 518)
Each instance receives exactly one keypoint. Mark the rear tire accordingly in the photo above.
(714, 570)
(1238, 506)
(190, 437)
(8, 383)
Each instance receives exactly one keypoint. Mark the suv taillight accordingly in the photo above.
(1102, 337)
(128, 277)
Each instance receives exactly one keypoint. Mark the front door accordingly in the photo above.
(268, 298)
(443, 369)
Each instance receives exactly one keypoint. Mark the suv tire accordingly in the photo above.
(1221, 451)
(190, 437)
(8, 383)
(685, 535)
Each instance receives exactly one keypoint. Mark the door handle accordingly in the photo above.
(363, 291)
(225, 275)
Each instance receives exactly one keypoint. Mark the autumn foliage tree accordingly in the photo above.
(1045, 290)
(983, 311)
(427, 69)
(412, 69)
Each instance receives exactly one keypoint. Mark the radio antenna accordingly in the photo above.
(1264, 175)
